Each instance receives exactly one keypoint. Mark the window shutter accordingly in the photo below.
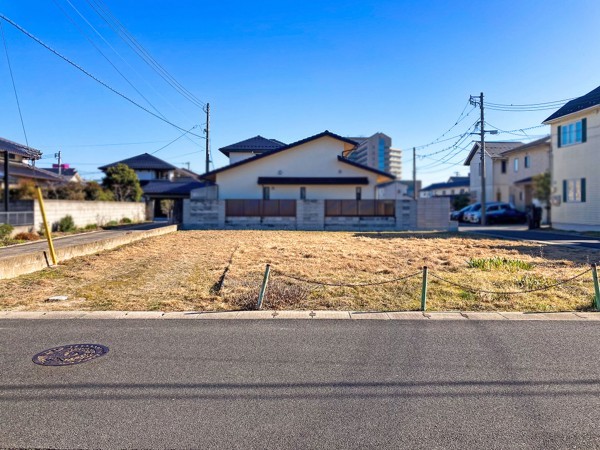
(565, 191)
(583, 129)
(583, 189)
(558, 135)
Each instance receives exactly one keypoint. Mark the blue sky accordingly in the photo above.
(287, 70)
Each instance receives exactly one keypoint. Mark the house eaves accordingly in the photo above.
(579, 104)
(211, 175)
(494, 149)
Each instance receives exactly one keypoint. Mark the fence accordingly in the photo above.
(360, 208)
(17, 218)
(260, 208)
(424, 286)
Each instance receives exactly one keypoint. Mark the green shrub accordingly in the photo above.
(5, 230)
(112, 223)
(66, 224)
(126, 220)
(90, 227)
(496, 263)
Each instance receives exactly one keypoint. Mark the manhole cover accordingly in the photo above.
(67, 355)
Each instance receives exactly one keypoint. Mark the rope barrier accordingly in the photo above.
(281, 274)
(475, 291)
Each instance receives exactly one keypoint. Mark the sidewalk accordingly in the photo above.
(30, 257)
(326, 314)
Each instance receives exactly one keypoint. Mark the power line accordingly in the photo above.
(174, 140)
(81, 69)
(105, 14)
(14, 85)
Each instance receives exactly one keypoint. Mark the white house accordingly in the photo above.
(310, 169)
(456, 185)
(575, 163)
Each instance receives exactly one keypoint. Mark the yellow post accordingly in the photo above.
(46, 227)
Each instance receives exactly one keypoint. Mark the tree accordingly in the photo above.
(460, 201)
(542, 189)
(122, 181)
(167, 207)
(93, 191)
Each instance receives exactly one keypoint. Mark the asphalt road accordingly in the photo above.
(548, 237)
(303, 384)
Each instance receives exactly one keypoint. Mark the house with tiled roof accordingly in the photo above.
(510, 168)
(248, 148)
(575, 160)
(455, 185)
(310, 184)
(147, 167)
(18, 159)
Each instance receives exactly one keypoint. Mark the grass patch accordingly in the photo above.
(223, 270)
(499, 263)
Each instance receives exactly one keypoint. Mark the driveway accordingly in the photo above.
(520, 232)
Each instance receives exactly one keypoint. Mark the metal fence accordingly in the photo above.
(17, 218)
(18, 206)
(260, 208)
(360, 208)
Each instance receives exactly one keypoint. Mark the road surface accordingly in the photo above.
(303, 384)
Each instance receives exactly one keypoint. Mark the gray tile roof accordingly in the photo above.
(143, 162)
(455, 184)
(256, 144)
(19, 149)
(166, 188)
(493, 149)
(588, 100)
(21, 170)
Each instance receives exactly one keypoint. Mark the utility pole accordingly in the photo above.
(58, 155)
(482, 156)
(414, 173)
(207, 129)
(6, 190)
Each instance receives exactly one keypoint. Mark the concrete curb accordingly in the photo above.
(29, 262)
(328, 315)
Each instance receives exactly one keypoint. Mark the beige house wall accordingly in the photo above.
(575, 162)
(520, 195)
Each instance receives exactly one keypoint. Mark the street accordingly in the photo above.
(303, 384)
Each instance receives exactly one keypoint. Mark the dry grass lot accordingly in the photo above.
(222, 270)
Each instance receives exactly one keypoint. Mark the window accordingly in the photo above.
(358, 193)
(303, 193)
(572, 133)
(516, 164)
(443, 191)
(526, 162)
(574, 191)
(266, 193)
(498, 196)
(520, 195)
(503, 167)
(451, 191)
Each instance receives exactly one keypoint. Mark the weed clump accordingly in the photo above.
(498, 263)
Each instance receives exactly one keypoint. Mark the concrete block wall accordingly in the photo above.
(424, 214)
(88, 212)
(199, 213)
(310, 214)
(434, 214)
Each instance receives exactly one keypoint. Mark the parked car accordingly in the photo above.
(460, 214)
(505, 213)
(470, 216)
(497, 213)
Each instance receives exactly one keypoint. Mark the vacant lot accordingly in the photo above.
(223, 270)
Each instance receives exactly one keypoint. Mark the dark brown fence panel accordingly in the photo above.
(360, 208)
(260, 208)
(350, 208)
(287, 208)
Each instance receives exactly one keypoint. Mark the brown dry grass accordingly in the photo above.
(222, 270)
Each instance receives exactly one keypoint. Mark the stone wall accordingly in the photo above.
(424, 214)
(88, 212)
(434, 214)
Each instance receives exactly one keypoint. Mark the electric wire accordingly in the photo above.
(174, 140)
(105, 14)
(13, 83)
(93, 77)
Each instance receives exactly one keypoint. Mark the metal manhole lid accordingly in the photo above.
(67, 355)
